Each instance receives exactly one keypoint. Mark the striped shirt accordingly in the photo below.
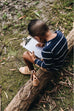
(54, 53)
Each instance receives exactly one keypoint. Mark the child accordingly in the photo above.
(54, 48)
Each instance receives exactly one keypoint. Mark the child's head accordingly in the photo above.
(37, 28)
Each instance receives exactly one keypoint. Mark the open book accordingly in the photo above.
(30, 43)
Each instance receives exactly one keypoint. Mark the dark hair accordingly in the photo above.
(37, 27)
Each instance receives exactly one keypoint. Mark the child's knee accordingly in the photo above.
(25, 54)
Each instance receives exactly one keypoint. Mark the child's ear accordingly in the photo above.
(37, 38)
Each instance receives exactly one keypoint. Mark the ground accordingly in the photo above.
(58, 14)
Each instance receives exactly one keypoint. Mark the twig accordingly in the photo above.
(61, 97)
(58, 97)
(54, 89)
(69, 83)
(11, 40)
(68, 73)
(61, 109)
(44, 102)
(40, 107)
(20, 60)
(17, 66)
(65, 84)
(6, 94)
(2, 48)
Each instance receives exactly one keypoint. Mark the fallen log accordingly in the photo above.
(27, 94)
(70, 39)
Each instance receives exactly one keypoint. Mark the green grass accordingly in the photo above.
(5, 3)
(11, 81)
(4, 16)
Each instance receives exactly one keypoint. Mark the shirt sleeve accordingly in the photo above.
(40, 63)
(47, 61)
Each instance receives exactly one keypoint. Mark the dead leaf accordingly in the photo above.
(4, 58)
(68, 81)
(63, 83)
(12, 69)
(44, 105)
(61, 109)
(66, 84)
(69, 68)
(4, 50)
(6, 95)
(36, 13)
(22, 17)
(62, 74)
(2, 34)
(68, 7)
(61, 78)
(56, 24)
(3, 63)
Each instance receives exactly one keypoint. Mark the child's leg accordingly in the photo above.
(26, 58)
(29, 64)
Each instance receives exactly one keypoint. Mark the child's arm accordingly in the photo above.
(47, 61)
(40, 63)
(34, 60)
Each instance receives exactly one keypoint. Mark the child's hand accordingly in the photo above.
(40, 44)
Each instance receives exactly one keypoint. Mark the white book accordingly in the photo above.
(30, 44)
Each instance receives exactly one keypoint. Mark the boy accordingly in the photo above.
(54, 48)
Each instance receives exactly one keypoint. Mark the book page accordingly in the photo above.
(31, 46)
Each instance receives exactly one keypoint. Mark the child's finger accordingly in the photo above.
(38, 45)
(33, 52)
(30, 54)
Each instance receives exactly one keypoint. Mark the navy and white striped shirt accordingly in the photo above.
(54, 53)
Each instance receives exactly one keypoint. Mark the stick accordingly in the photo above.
(68, 73)
(2, 49)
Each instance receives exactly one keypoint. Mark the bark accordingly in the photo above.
(27, 94)
(70, 39)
